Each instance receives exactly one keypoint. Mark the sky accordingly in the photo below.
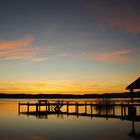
(69, 46)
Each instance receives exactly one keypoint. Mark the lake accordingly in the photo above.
(89, 123)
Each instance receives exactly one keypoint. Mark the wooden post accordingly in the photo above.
(85, 108)
(127, 107)
(67, 107)
(131, 92)
(91, 109)
(48, 106)
(28, 107)
(18, 108)
(106, 111)
(76, 109)
(113, 109)
(122, 109)
(39, 107)
(36, 108)
(99, 107)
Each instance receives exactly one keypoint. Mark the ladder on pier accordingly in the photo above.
(57, 106)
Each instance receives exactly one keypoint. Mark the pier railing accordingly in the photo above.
(91, 109)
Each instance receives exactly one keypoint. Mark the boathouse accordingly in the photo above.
(132, 86)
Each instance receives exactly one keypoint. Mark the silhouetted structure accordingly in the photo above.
(105, 109)
(101, 109)
(131, 108)
(132, 86)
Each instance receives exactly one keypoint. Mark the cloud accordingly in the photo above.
(119, 14)
(38, 59)
(62, 55)
(108, 56)
(115, 56)
(126, 21)
(19, 50)
(12, 44)
(120, 52)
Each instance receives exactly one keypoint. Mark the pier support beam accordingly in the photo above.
(28, 105)
(36, 108)
(122, 110)
(99, 106)
(48, 107)
(113, 109)
(67, 107)
(85, 108)
(91, 109)
(18, 108)
(106, 109)
(76, 109)
(131, 92)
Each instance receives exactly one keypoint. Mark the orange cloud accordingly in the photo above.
(13, 44)
(38, 59)
(19, 50)
(115, 56)
(111, 56)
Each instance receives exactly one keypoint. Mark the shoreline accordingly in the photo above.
(69, 96)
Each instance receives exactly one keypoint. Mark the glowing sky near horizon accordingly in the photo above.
(72, 46)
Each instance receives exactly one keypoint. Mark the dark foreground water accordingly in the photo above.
(15, 126)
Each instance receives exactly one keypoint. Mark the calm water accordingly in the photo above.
(62, 126)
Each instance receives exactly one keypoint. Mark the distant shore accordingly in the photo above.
(68, 96)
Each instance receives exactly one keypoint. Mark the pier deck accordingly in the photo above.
(128, 110)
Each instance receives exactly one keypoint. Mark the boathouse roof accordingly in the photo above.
(135, 84)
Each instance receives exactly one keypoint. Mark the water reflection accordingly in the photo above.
(76, 119)
(133, 133)
(101, 109)
(105, 107)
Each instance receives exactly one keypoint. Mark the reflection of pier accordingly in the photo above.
(101, 109)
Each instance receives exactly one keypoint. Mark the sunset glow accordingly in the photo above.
(69, 47)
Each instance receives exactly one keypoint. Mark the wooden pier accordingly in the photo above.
(128, 111)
